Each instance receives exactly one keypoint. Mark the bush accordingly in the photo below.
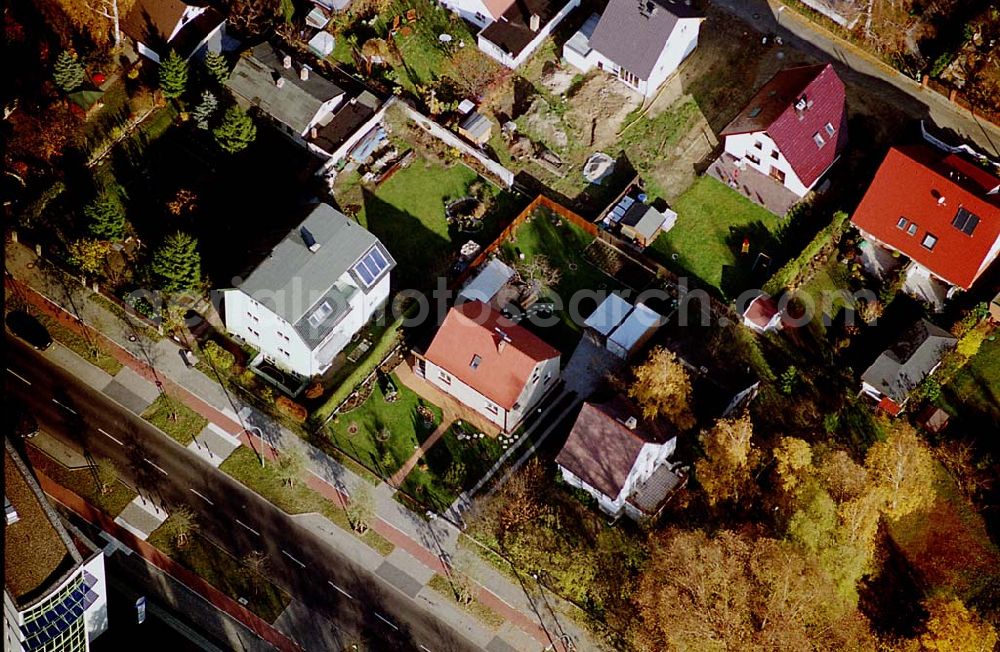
(291, 409)
(218, 357)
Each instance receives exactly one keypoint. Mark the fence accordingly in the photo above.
(147, 551)
(505, 176)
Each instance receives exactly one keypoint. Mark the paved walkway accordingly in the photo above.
(148, 361)
(862, 68)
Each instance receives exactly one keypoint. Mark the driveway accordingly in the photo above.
(587, 367)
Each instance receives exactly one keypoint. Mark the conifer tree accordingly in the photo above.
(173, 75)
(177, 263)
(106, 216)
(217, 66)
(68, 72)
(236, 131)
(205, 109)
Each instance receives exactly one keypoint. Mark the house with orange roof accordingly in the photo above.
(939, 211)
(490, 364)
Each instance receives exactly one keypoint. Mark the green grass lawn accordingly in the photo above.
(711, 225)
(406, 212)
(224, 572)
(948, 545)
(563, 243)
(244, 465)
(405, 429)
(83, 483)
(976, 388)
(174, 418)
(92, 351)
(451, 466)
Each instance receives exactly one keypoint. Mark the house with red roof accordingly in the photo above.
(620, 460)
(762, 314)
(794, 129)
(490, 364)
(939, 211)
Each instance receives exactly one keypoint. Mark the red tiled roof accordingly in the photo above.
(761, 310)
(601, 450)
(772, 110)
(909, 184)
(470, 330)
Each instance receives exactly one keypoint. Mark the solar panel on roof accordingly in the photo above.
(965, 221)
(371, 266)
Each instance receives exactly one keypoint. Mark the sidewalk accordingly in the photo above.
(147, 361)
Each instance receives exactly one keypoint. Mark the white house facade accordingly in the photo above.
(157, 26)
(758, 151)
(622, 462)
(640, 43)
(322, 283)
(513, 38)
(489, 364)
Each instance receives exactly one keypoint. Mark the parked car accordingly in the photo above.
(28, 329)
(20, 422)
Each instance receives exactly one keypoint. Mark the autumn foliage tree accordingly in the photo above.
(662, 388)
(902, 467)
(90, 255)
(734, 591)
(724, 471)
(951, 627)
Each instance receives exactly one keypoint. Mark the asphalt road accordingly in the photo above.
(360, 604)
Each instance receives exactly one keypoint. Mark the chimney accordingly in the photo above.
(9, 512)
(314, 133)
(941, 200)
(304, 73)
(287, 61)
(309, 240)
(534, 22)
(279, 82)
(631, 423)
(501, 345)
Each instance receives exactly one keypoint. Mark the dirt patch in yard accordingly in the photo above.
(543, 124)
(598, 110)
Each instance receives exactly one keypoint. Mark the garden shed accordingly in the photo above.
(634, 331)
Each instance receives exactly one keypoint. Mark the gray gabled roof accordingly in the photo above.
(296, 103)
(293, 279)
(632, 33)
(901, 367)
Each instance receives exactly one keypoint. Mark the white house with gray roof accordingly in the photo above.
(289, 93)
(319, 286)
(641, 42)
(901, 367)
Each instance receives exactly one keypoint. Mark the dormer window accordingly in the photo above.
(912, 230)
(818, 139)
(829, 129)
(929, 241)
(965, 221)
(320, 314)
(475, 361)
(901, 224)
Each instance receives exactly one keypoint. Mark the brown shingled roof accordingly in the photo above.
(601, 450)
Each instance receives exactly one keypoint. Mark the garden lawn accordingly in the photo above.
(224, 572)
(244, 465)
(78, 344)
(563, 243)
(174, 418)
(83, 483)
(711, 224)
(405, 429)
(406, 212)
(976, 388)
(451, 466)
